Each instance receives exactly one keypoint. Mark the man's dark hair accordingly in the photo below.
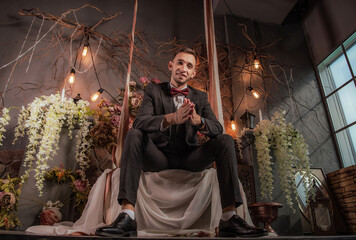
(186, 50)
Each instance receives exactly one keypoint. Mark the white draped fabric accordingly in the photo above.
(169, 203)
(178, 202)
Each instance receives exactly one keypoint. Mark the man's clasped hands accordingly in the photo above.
(184, 113)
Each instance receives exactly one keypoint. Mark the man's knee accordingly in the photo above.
(134, 135)
(225, 140)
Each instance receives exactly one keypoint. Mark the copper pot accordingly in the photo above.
(265, 212)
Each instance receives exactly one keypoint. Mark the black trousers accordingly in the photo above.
(140, 153)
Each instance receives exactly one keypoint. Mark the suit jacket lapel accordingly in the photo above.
(192, 97)
(167, 99)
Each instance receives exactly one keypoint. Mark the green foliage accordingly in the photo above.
(59, 174)
(77, 180)
(9, 197)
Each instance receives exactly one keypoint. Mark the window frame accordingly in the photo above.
(340, 51)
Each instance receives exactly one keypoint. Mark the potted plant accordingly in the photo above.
(290, 156)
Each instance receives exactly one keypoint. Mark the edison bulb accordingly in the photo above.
(71, 77)
(85, 50)
(95, 96)
(233, 126)
(256, 63)
(255, 94)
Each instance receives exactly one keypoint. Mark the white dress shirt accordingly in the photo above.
(178, 98)
(178, 102)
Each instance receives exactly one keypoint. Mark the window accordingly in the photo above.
(337, 74)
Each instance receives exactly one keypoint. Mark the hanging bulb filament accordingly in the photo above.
(233, 126)
(256, 63)
(85, 49)
(71, 77)
(96, 95)
(253, 92)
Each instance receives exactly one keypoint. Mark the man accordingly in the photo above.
(164, 137)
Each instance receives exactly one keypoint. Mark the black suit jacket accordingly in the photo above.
(157, 102)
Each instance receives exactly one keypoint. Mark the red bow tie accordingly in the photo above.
(174, 91)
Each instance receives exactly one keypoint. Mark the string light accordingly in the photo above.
(96, 95)
(254, 92)
(71, 78)
(256, 63)
(85, 49)
(233, 125)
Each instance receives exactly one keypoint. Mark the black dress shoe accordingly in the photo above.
(123, 226)
(236, 226)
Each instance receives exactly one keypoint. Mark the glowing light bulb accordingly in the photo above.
(85, 50)
(256, 63)
(233, 126)
(71, 77)
(96, 95)
(255, 94)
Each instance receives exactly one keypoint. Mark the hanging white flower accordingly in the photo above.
(4, 121)
(291, 156)
(42, 121)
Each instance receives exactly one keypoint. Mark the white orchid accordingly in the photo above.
(4, 121)
(42, 121)
(291, 156)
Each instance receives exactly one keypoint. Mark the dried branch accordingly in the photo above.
(115, 45)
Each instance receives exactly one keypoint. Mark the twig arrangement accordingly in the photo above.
(114, 47)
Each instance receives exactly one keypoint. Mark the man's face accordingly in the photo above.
(182, 69)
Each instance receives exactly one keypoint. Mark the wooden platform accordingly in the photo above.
(19, 235)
